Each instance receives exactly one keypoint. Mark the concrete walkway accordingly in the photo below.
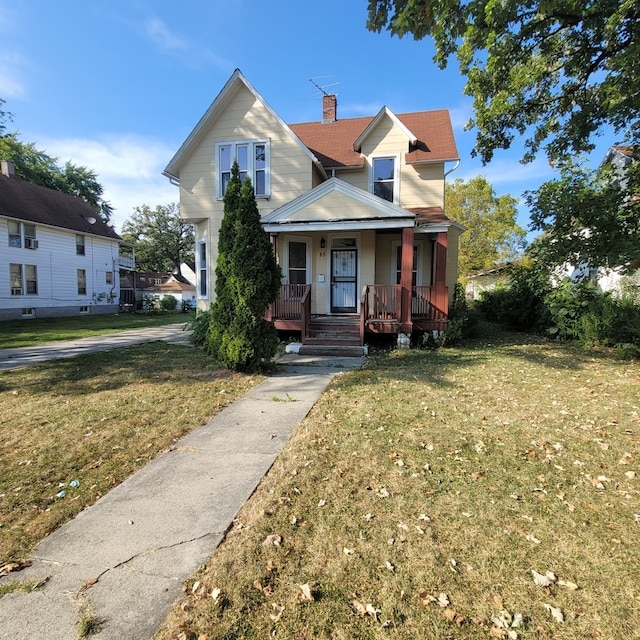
(24, 356)
(125, 558)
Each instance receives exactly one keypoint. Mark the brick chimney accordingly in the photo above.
(329, 108)
(7, 169)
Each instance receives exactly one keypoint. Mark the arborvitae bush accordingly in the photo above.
(247, 281)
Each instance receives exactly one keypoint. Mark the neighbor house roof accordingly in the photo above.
(22, 200)
(334, 143)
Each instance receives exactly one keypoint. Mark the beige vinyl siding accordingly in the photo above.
(421, 185)
(245, 118)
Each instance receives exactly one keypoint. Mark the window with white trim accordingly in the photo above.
(79, 245)
(202, 269)
(82, 282)
(253, 162)
(108, 277)
(24, 279)
(22, 234)
(398, 265)
(384, 178)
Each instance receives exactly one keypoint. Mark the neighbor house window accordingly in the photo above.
(82, 282)
(20, 230)
(31, 278)
(15, 274)
(24, 279)
(15, 235)
(202, 269)
(384, 178)
(79, 245)
(253, 163)
(108, 277)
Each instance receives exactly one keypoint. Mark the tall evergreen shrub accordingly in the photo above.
(247, 281)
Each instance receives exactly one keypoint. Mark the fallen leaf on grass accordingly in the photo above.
(454, 617)
(304, 593)
(556, 612)
(568, 585)
(7, 568)
(427, 598)
(366, 609)
(276, 616)
(532, 538)
(272, 540)
(626, 459)
(545, 580)
(477, 475)
(215, 593)
(266, 591)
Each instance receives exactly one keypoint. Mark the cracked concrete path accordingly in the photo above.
(125, 558)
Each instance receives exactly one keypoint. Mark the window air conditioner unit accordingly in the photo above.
(16, 292)
(30, 243)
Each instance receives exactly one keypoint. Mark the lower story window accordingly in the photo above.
(82, 282)
(29, 312)
(84, 309)
(24, 279)
(202, 269)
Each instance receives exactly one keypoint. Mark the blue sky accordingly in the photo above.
(117, 85)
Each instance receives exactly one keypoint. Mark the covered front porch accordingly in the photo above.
(355, 265)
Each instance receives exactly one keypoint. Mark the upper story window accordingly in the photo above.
(253, 162)
(79, 245)
(22, 231)
(384, 178)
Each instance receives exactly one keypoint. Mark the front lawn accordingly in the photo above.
(71, 430)
(484, 491)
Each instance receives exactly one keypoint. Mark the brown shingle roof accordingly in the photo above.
(24, 200)
(332, 143)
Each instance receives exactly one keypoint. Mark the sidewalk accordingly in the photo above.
(24, 356)
(125, 558)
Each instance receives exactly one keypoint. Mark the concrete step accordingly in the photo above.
(346, 351)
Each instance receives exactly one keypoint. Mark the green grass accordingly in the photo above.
(25, 333)
(420, 494)
(71, 430)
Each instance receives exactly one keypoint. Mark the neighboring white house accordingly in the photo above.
(57, 257)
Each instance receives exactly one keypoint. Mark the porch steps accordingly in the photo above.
(333, 335)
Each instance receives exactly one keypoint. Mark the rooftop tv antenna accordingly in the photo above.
(323, 89)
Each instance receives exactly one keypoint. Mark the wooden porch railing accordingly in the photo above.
(381, 304)
(430, 303)
(288, 304)
(305, 314)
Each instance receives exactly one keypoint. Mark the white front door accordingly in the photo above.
(344, 280)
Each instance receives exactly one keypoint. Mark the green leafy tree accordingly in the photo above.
(36, 166)
(588, 217)
(555, 70)
(247, 281)
(493, 236)
(554, 73)
(162, 240)
(5, 116)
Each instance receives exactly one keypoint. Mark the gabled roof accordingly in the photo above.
(22, 200)
(429, 138)
(375, 214)
(385, 112)
(230, 89)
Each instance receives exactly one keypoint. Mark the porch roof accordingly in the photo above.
(335, 205)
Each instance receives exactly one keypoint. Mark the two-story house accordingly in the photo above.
(354, 208)
(58, 258)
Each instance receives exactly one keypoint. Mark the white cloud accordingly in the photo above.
(11, 74)
(159, 33)
(502, 173)
(128, 167)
